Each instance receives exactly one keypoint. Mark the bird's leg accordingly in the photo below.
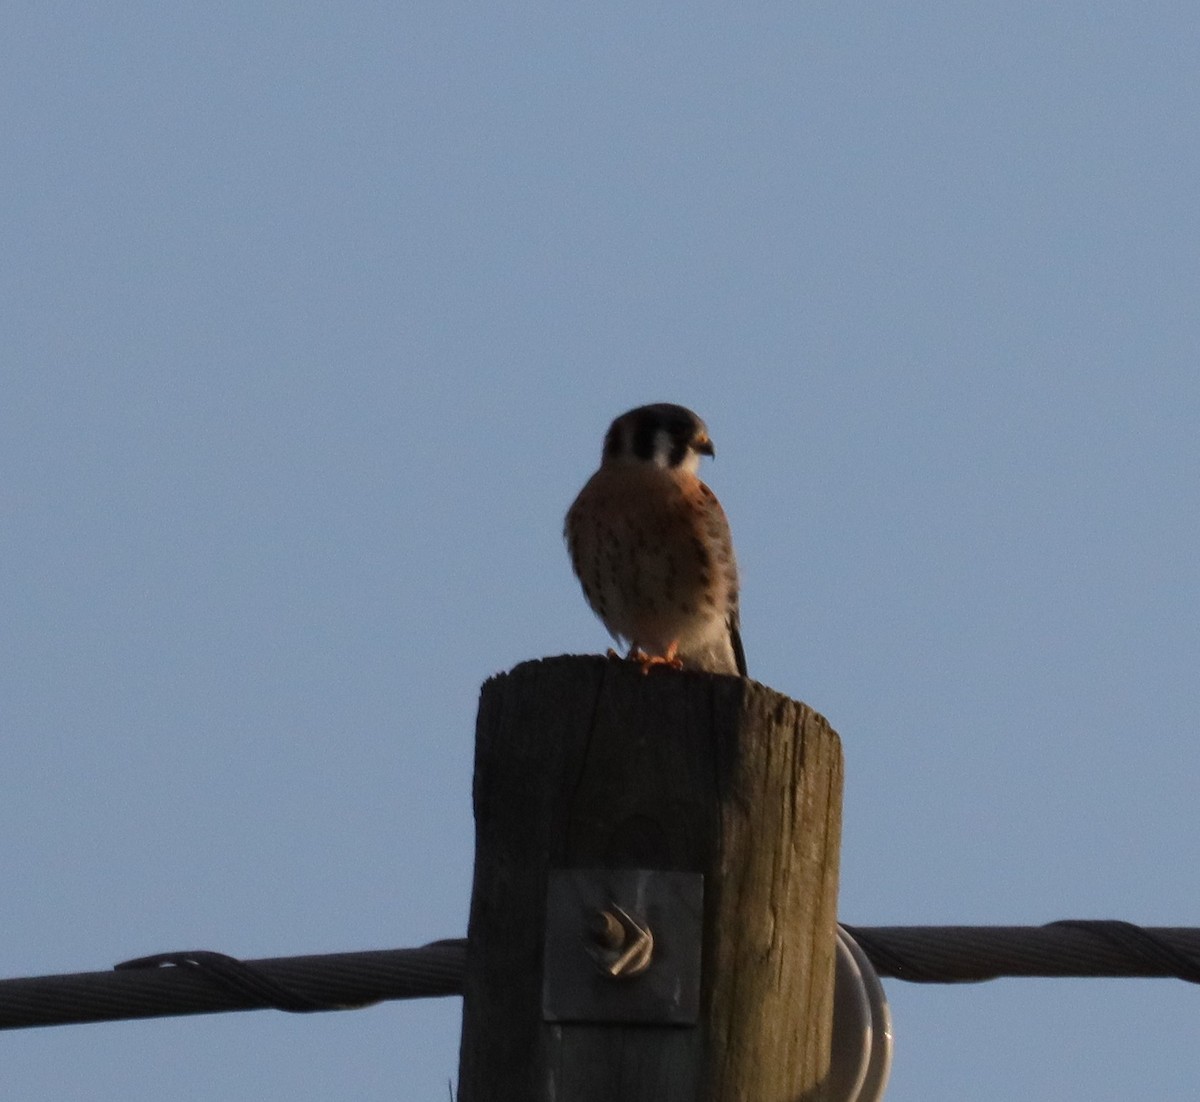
(648, 661)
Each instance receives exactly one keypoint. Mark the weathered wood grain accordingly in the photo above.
(584, 762)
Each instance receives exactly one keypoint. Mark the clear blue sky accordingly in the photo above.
(314, 317)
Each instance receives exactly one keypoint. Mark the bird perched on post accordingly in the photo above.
(651, 546)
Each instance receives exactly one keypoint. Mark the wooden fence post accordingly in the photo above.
(586, 763)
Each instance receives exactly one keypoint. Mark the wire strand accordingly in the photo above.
(204, 982)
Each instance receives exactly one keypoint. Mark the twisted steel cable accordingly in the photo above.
(204, 982)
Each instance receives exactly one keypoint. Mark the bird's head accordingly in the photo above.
(663, 435)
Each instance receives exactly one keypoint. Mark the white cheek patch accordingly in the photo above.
(664, 445)
(660, 455)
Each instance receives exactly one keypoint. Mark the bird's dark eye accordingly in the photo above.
(661, 433)
(679, 447)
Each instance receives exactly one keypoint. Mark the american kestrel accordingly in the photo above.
(651, 545)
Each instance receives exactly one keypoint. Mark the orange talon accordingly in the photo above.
(649, 661)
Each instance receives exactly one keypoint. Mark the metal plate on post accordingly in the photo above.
(623, 945)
